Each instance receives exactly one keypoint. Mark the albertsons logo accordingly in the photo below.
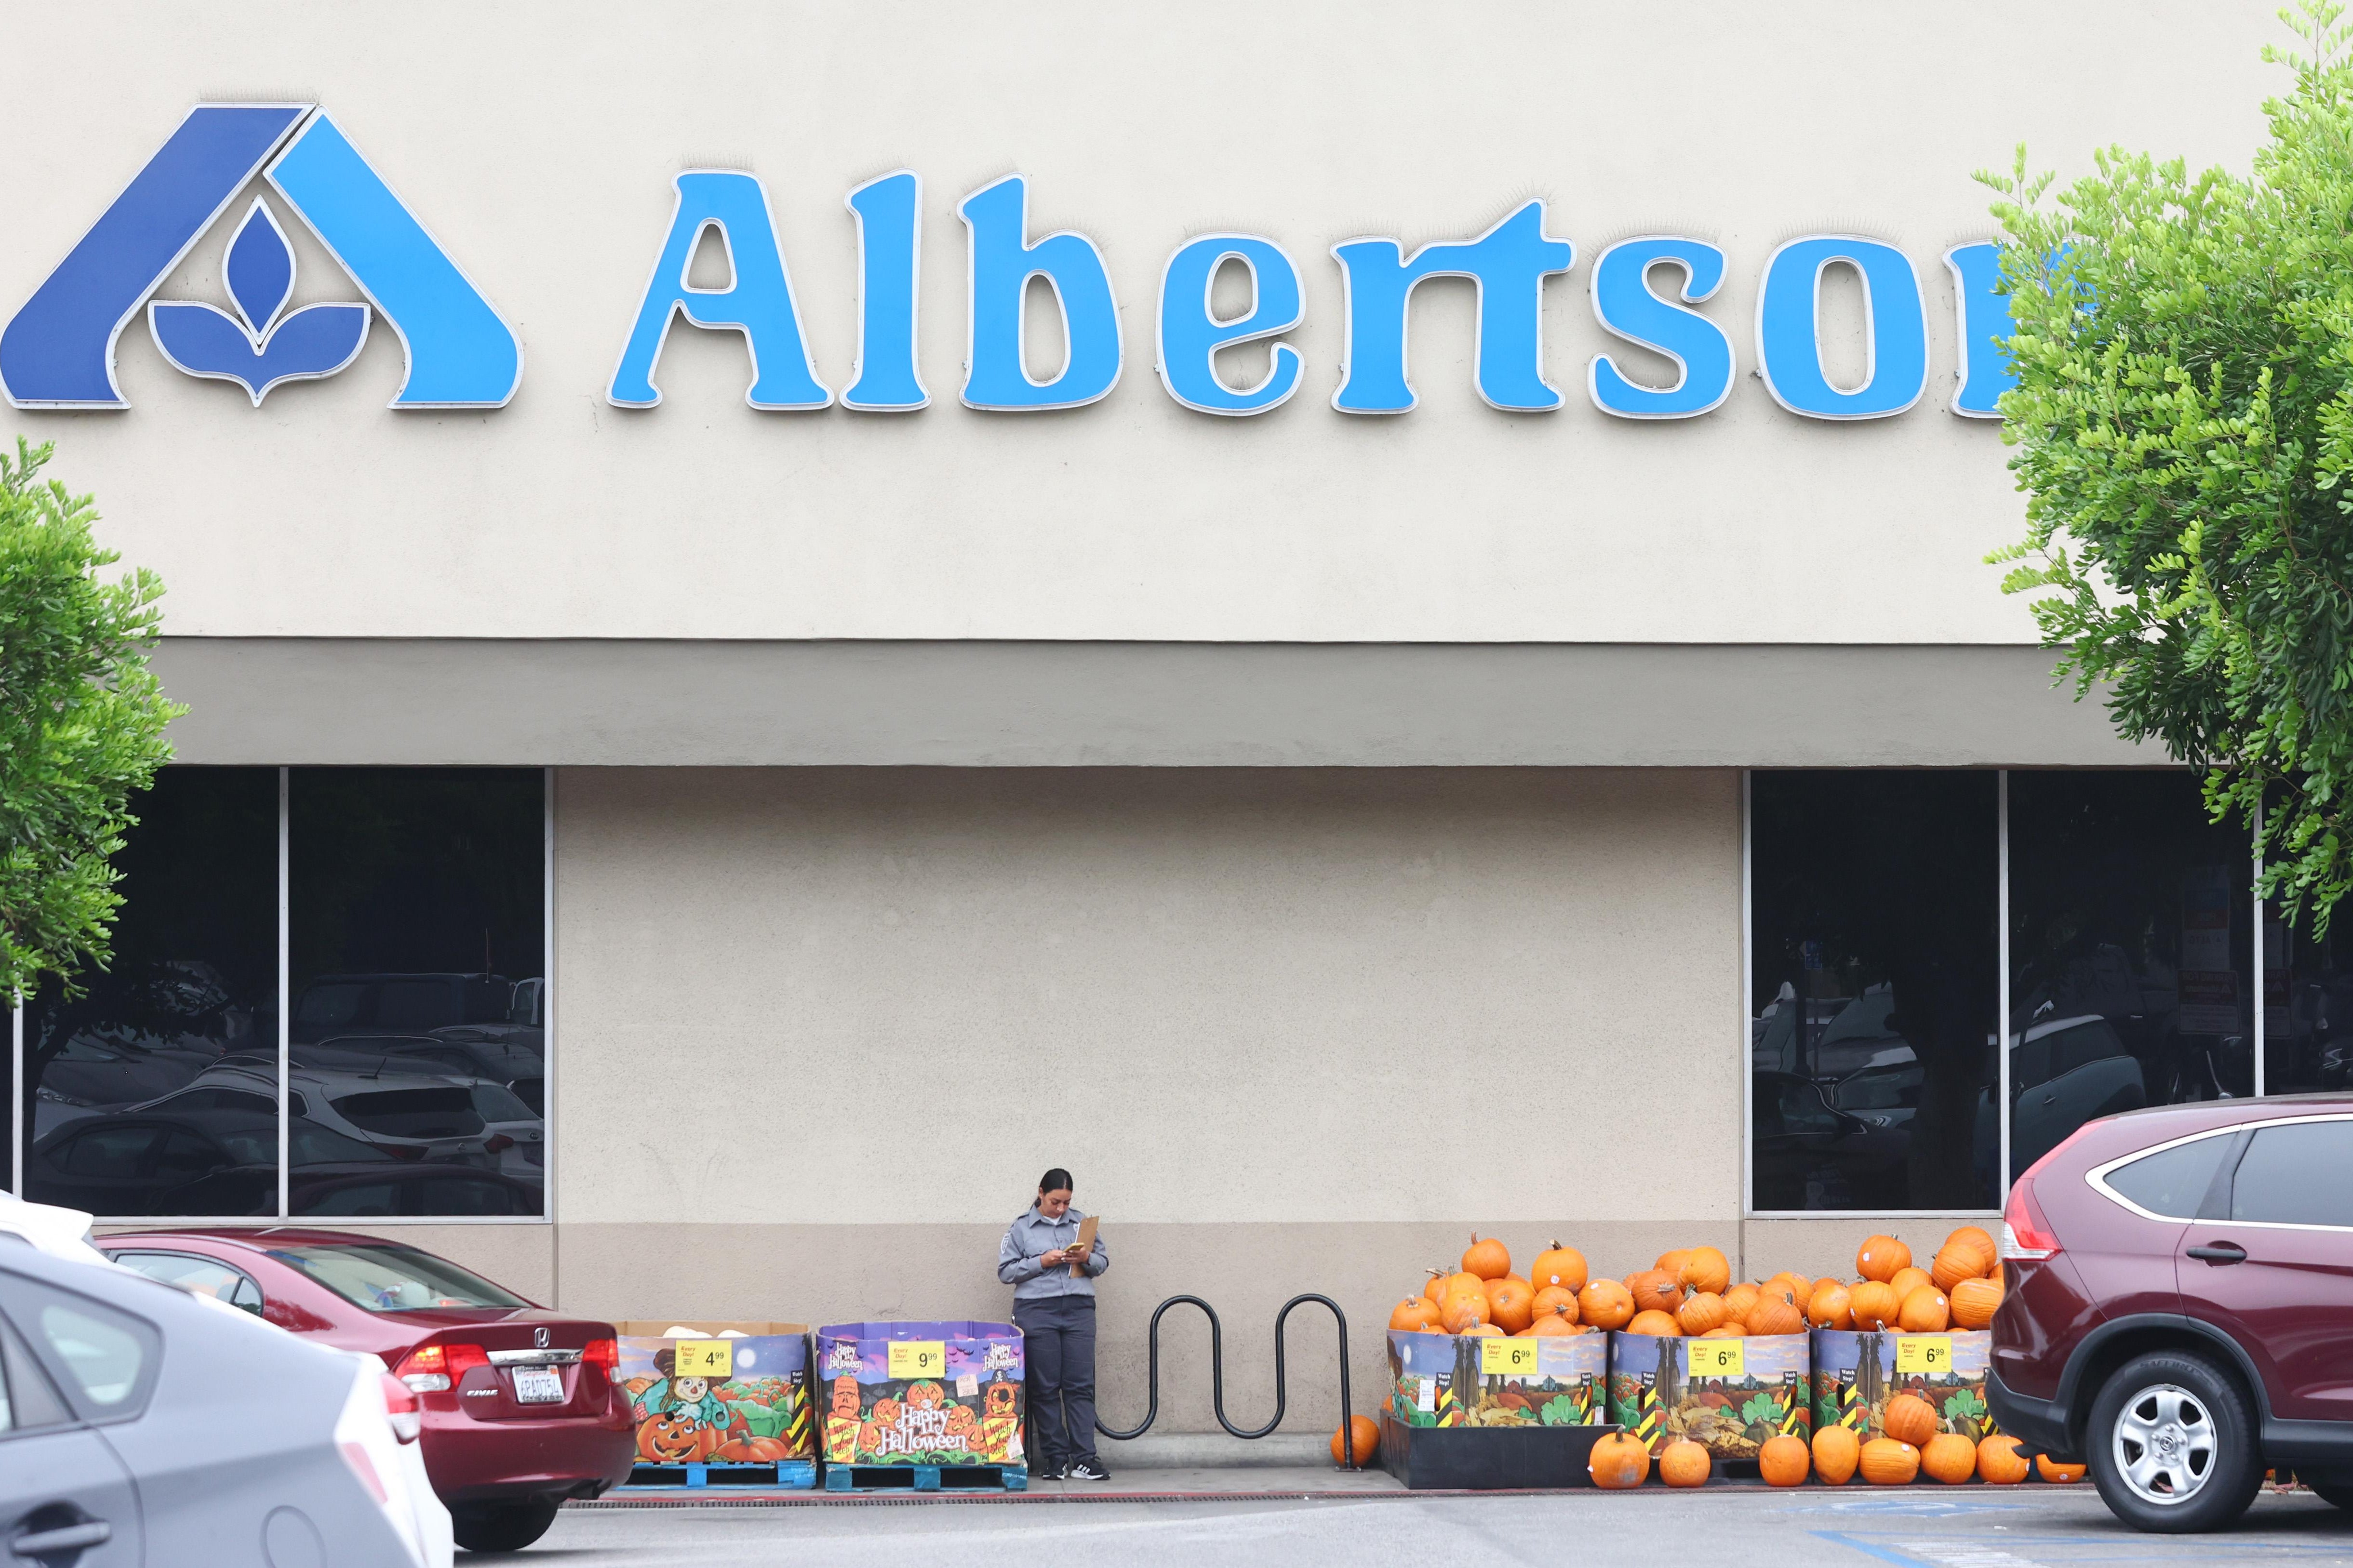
(58, 351)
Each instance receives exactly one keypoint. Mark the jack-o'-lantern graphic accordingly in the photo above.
(886, 1412)
(925, 1396)
(845, 1398)
(961, 1420)
(870, 1437)
(673, 1439)
(1000, 1399)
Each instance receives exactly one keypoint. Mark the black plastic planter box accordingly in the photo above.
(1487, 1459)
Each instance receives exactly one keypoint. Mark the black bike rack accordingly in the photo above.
(1217, 1373)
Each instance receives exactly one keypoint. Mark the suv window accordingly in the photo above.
(446, 1112)
(2172, 1182)
(108, 1152)
(2297, 1173)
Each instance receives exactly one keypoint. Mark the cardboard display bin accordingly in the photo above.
(1729, 1395)
(1441, 1381)
(1857, 1373)
(724, 1394)
(921, 1394)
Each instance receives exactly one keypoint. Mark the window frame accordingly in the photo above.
(547, 1008)
(2097, 1178)
(2255, 1129)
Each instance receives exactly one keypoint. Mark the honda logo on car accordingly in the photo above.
(58, 350)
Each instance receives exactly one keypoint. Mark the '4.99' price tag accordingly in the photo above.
(919, 1358)
(1718, 1358)
(711, 1358)
(1928, 1354)
(1499, 1357)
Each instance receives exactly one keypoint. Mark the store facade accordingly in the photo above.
(785, 627)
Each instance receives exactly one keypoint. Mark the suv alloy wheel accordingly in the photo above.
(2172, 1444)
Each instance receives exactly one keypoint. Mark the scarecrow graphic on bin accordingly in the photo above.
(717, 1397)
(921, 1394)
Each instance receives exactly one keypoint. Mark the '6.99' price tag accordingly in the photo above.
(1499, 1357)
(1718, 1358)
(919, 1358)
(1928, 1354)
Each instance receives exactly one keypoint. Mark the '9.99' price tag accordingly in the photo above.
(919, 1358)
(1927, 1354)
(1499, 1357)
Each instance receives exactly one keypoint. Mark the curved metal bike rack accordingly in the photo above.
(1217, 1372)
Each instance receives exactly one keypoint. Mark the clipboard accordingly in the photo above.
(1085, 1244)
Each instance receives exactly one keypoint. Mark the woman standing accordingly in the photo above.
(1054, 1308)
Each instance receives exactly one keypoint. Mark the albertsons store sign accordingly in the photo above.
(58, 350)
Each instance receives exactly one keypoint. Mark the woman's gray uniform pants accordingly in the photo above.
(1058, 1338)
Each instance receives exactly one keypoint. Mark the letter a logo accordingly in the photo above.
(58, 351)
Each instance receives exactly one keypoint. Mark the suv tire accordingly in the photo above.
(503, 1526)
(2172, 1444)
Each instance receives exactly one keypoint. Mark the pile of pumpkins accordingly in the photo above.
(1837, 1456)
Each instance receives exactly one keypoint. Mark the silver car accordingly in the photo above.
(139, 1423)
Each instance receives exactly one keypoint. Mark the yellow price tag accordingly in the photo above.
(1925, 1353)
(714, 1359)
(1502, 1357)
(919, 1358)
(1718, 1358)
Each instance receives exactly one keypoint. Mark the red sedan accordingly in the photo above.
(519, 1405)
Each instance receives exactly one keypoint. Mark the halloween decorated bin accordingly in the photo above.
(1439, 1380)
(1728, 1396)
(1856, 1373)
(719, 1394)
(919, 1393)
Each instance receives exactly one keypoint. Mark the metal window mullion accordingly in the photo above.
(2262, 975)
(285, 1022)
(547, 1000)
(2002, 1000)
(17, 1096)
(1747, 1000)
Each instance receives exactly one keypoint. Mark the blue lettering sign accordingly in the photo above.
(890, 236)
(1789, 323)
(1982, 309)
(1191, 333)
(1626, 305)
(1002, 263)
(254, 348)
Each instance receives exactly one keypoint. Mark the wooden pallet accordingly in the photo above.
(926, 1478)
(798, 1475)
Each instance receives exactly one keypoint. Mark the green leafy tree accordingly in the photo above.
(81, 725)
(2183, 421)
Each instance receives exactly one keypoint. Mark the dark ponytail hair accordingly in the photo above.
(1055, 1180)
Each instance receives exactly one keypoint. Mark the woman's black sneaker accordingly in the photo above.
(1086, 1471)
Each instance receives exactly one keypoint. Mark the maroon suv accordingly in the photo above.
(2179, 1312)
(520, 1407)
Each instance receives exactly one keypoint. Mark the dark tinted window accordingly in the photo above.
(114, 1151)
(2173, 1182)
(446, 1111)
(2131, 953)
(1875, 968)
(2307, 1006)
(2300, 1174)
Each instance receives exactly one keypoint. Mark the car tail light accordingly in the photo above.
(2025, 1234)
(432, 1369)
(606, 1353)
(400, 1151)
(497, 1143)
(400, 1404)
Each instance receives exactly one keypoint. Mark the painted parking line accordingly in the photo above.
(2052, 1551)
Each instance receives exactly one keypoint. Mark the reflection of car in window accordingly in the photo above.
(1810, 1154)
(2062, 1073)
(397, 1003)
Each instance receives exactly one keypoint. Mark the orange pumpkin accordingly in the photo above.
(1701, 1313)
(1435, 1292)
(1737, 1300)
(1999, 1461)
(1552, 1299)
(676, 1439)
(1706, 1271)
(1562, 1320)
(1725, 1331)
(1776, 1315)
(1482, 1331)
(1975, 1301)
(1994, 1274)
(1953, 1265)
(1364, 1440)
(1888, 1463)
(1558, 1265)
(1466, 1308)
(1605, 1304)
(1836, 1451)
(1909, 1418)
(1872, 1306)
(1683, 1464)
(1976, 1239)
(1924, 1311)
(1671, 1264)
(1416, 1315)
(755, 1450)
(1489, 1259)
(1779, 1290)
(1661, 1324)
(1907, 1280)
(1511, 1304)
(2052, 1470)
(1880, 1257)
(1655, 1290)
(1831, 1308)
(1798, 1286)
(1616, 1461)
(1783, 1461)
(1455, 1284)
(1949, 1457)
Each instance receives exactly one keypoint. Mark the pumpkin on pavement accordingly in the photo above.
(1949, 1457)
(2051, 1470)
(1836, 1452)
(1616, 1461)
(1784, 1461)
(1888, 1463)
(1685, 1464)
(1909, 1418)
(1999, 1461)
(1364, 1440)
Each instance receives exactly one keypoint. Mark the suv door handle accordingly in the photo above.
(55, 1542)
(2220, 1253)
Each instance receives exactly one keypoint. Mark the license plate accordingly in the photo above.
(538, 1387)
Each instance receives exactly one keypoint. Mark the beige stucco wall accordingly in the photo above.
(819, 1030)
(538, 140)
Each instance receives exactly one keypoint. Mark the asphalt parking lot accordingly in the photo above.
(2029, 1528)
